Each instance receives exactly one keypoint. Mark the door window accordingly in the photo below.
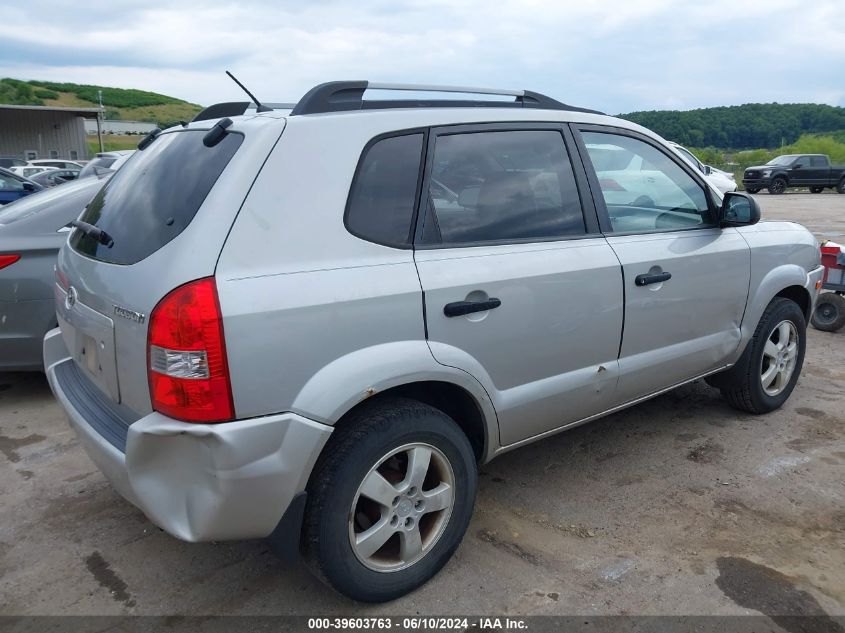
(643, 188)
(502, 186)
(818, 161)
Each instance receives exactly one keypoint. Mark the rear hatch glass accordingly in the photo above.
(152, 198)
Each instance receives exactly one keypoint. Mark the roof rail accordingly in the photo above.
(235, 108)
(341, 96)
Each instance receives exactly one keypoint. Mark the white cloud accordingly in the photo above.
(616, 55)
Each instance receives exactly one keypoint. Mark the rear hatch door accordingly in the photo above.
(167, 213)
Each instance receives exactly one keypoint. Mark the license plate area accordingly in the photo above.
(89, 337)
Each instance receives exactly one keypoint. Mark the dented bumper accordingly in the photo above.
(198, 482)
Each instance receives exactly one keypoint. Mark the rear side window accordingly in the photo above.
(381, 203)
(151, 199)
(502, 186)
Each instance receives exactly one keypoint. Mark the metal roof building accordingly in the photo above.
(31, 132)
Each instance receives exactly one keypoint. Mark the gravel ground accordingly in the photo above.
(678, 506)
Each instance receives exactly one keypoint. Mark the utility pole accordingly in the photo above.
(99, 119)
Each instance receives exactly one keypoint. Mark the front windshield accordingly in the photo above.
(782, 160)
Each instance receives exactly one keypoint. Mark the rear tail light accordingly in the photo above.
(8, 260)
(188, 370)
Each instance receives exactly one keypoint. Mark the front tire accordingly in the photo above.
(766, 373)
(389, 500)
(777, 186)
(829, 315)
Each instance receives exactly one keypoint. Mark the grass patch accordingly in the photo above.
(112, 143)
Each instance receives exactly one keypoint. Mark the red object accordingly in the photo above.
(189, 319)
(833, 260)
(609, 184)
(8, 260)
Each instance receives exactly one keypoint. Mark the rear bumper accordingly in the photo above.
(198, 482)
(755, 183)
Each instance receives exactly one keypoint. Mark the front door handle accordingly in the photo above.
(651, 278)
(460, 308)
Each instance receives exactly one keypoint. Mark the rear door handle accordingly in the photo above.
(460, 308)
(654, 278)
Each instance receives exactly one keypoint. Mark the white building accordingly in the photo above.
(30, 132)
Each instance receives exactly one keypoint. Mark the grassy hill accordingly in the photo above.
(119, 103)
(742, 127)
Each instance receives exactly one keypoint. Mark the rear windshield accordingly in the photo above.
(152, 198)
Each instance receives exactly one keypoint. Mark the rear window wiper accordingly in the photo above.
(92, 231)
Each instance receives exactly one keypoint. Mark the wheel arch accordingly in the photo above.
(406, 369)
(786, 281)
(799, 295)
(454, 401)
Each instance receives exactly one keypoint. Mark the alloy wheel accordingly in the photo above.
(779, 358)
(402, 507)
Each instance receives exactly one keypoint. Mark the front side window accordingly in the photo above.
(643, 188)
(381, 203)
(502, 186)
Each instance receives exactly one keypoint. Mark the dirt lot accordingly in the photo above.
(677, 506)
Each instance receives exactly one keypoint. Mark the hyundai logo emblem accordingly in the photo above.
(70, 298)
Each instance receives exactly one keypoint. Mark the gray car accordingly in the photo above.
(344, 308)
(32, 231)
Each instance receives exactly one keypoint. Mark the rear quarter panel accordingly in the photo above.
(314, 316)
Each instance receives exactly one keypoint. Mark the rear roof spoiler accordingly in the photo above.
(235, 108)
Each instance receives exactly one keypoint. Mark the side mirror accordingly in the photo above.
(797, 165)
(739, 209)
(707, 170)
(28, 186)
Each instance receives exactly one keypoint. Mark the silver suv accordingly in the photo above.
(312, 324)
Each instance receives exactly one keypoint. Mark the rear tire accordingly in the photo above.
(766, 373)
(777, 186)
(372, 453)
(840, 188)
(816, 189)
(829, 315)
(753, 189)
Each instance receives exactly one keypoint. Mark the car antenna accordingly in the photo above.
(260, 108)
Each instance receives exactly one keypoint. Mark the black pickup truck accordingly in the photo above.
(795, 170)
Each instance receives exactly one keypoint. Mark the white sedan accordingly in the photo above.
(722, 180)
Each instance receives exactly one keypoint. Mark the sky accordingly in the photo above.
(612, 55)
